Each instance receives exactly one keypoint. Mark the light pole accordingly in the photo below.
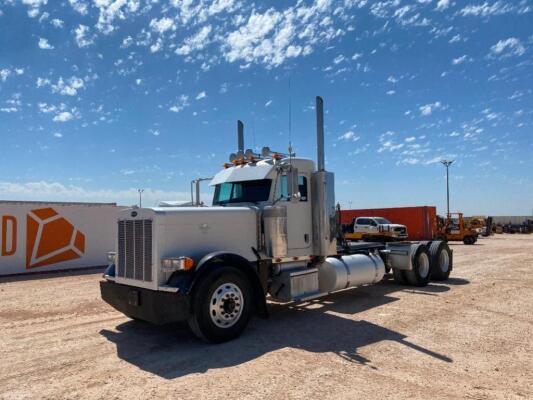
(140, 197)
(447, 164)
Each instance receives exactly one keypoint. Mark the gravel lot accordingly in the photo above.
(470, 337)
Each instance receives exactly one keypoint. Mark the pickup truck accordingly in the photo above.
(375, 229)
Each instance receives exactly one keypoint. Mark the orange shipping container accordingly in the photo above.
(421, 221)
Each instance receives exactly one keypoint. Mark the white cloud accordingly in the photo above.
(443, 5)
(427, 109)
(410, 139)
(162, 25)
(34, 6)
(271, 37)
(195, 42)
(8, 109)
(43, 44)
(57, 135)
(338, 59)
(486, 9)
(79, 6)
(459, 60)
(63, 116)
(391, 92)
(56, 191)
(57, 23)
(201, 95)
(349, 136)
(508, 47)
(67, 87)
(183, 102)
(109, 11)
(82, 38)
(268, 103)
(4, 74)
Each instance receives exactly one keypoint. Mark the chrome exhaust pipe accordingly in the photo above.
(320, 133)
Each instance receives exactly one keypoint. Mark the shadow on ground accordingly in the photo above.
(172, 351)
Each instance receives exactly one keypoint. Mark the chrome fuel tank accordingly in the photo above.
(349, 271)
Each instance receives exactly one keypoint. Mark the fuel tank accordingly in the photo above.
(337, 273)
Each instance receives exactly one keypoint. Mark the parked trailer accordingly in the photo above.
(38, 236)
(272, 231)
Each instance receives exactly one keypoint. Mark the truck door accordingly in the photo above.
(299, 217)
(362, 225)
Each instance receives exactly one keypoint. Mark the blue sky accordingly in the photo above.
(99, 98)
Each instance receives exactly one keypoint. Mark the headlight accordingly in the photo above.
(111, 256)
(171, 264)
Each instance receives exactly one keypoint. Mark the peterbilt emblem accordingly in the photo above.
(204, 227)
(134, 214)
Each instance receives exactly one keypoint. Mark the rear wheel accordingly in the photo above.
(419, 275)
(221, 305)
(441, 260)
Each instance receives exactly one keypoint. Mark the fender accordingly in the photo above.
(217, 259)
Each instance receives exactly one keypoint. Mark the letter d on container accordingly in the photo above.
(9, 219)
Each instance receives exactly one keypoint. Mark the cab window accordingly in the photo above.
(283, 188)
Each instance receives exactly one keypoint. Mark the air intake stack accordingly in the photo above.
(320, 134)
(323, 192)
(240, 137)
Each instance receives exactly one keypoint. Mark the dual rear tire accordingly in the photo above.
(431, 261)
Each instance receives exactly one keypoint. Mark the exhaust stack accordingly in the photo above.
(240, 137)
(320, 133)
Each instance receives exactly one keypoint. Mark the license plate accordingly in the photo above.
(134, 298)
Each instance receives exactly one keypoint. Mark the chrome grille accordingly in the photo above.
(135, 249)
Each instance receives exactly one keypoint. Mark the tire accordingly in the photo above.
(421, 272)
(399, 276)
(468, 240)
(221, 305)
(441, 260)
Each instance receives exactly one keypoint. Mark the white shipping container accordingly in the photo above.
(47, 236)
(512, 219)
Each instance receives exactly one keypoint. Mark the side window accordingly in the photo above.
(302, 187)
(373, 223)
(283, 188)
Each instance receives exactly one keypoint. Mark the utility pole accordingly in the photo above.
(447, 164)
(140, 197)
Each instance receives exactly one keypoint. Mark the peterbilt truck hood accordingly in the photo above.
(194, 232)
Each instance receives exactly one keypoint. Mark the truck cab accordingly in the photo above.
(271, 231)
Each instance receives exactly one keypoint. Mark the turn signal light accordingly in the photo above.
(172, 264)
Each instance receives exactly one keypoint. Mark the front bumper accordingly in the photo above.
(149, 305)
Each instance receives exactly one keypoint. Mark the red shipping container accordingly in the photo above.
(421, 221)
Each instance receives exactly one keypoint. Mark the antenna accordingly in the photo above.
(290, 123)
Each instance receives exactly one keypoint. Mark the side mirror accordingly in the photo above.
(292, 182)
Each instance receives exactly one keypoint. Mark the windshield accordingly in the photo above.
(242, 192)
(382, 221)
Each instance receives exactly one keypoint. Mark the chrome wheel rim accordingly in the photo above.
(423, 265)
(444, 261)
(225, 307)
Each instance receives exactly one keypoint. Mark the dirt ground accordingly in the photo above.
(470, 337)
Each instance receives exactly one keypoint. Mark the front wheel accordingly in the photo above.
(221, 305)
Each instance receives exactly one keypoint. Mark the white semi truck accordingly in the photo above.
(271, 232)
